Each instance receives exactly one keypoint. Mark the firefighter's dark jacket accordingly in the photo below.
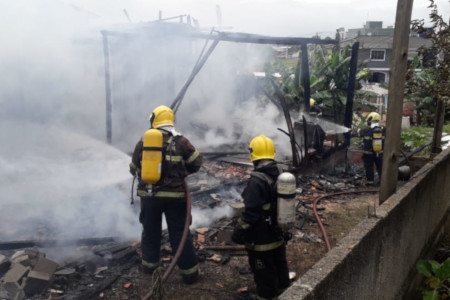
(257, 228)
(367, 135)
(181, 159)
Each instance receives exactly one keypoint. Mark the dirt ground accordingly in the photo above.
(230, 277)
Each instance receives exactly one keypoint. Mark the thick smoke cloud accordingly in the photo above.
(58, 176)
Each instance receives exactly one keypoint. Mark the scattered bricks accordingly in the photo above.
(215, 258)
(36, 282)
(201, 238)
(4, 265)
(202, 230)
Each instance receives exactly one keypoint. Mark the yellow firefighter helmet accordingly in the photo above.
(373, 116)
(162, 115)
(311, 102)
(261, 147)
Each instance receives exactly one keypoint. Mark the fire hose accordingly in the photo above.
(316, 215)
(180, 246)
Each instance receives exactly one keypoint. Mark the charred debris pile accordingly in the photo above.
(27, 270)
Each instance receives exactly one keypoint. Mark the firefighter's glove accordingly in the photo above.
(287, 236)
(240, 233)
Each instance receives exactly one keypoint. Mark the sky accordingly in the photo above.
(302, 18)
(57, 173)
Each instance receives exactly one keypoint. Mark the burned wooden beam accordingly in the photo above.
(198, 66)
(287, 116)
(54, 243)
(305, 76)
(239, 37)
(226, 248)
(223, 153)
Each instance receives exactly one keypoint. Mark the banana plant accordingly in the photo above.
(329, 78)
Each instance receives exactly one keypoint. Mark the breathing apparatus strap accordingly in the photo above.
(268, 207)
(263, 177)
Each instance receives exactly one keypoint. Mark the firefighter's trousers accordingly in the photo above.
(150, 216)
(369, 161)
(270, 271)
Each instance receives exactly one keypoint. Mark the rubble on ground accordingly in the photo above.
(28, 274)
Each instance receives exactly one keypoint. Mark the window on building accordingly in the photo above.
(377, 54)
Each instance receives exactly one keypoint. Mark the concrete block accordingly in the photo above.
(67, 272)
(5, 263)
(16, 273)
(27, 257)
(20, 295)
(36, 282)
(14, 291)
(3, 292)
(23, 260)
(17, 254)
(45, 265)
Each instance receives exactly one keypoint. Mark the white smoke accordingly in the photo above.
(60, 184)
(57, 174)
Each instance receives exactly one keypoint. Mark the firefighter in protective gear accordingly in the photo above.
(314, 111)
(167, 196)
(257, 228)
(373, 143)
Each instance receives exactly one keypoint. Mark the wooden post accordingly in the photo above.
(351, 91)
(107, 88)
(397, 76)
(437, 132)
(305, 76)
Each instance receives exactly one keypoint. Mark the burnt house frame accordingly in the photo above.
(254, 39)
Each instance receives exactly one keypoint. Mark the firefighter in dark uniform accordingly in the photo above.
(167, 196)
(314, 111)
(257, 228)
(373, 143)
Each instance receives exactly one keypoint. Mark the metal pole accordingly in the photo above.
(351, 91)
(107, 88)
(305, 76)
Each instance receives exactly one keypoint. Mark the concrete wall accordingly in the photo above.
(377, 259)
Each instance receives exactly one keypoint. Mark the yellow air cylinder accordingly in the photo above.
(152, 156)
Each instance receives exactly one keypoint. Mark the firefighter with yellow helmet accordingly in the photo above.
(373, 136)
(314, 110)
(257, 228)
(161, 160)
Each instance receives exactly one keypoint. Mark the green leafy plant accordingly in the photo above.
(437, 278)
(329, 79)
(414, 137)
(432, 81)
